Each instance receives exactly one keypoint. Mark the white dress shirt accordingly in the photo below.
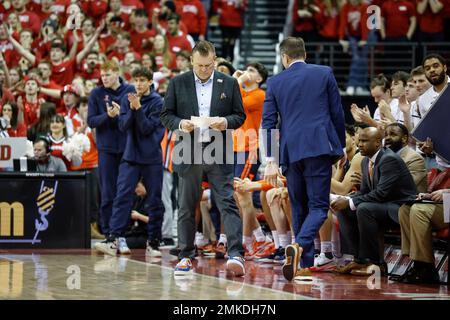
(204, 95)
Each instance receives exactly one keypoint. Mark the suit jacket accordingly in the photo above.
(180, 102)
(392, 183)
(416, 166)
(307, 99)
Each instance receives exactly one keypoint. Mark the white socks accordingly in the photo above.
(285, 240)
(325, 247)
(248, 242)
(259, 235)
(276, 239)
(223, 239)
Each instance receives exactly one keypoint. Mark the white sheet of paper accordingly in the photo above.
(446, 200)
(203, 124)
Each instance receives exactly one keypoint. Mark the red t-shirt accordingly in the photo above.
(2, 13)
(328, 22)
(31, 111)
(115, 54)
(193, 15)
(140, 42)
(7, 49)
(431, 22)
(94, 76)
(397, 16)
(231, 15)
(129, 5)
(107, 41)
(178, 43)
(64, 72)
(303, 24)
(94, 8)
(353, 21)
(30, 20)
(19, 131)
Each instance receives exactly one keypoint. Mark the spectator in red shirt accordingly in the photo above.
(304, 18)
(86, 33)
(193, 15)
(63, 68)
(329, 19)
(114, 27)
(177, 39)
(141, 36)
(163, 56)
(26, 40)
(14, 23)
(128, 6)
(121, 47)
(431, 20)
(30, 102)
(28, 19)
(49, 89)
(160, 16)
(115, 9)
(398, 20)
(90, 68)
(95, 9)
(44, 10)
(47, 35)
(15, 128)
(231, 22)
(353, 33)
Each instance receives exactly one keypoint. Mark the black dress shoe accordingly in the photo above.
(422, 276)
(411, 272)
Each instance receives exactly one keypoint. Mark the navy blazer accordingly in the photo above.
(307, 100)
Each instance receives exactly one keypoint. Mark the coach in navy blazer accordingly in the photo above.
(305, 98)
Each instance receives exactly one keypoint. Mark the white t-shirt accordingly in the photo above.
(395, 110)
(415, 116)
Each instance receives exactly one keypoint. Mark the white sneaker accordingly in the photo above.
(350, 91)
(151, 252)
(106, 247)
(184, 268)
(321, 260)
(200, 240)
(122, 246)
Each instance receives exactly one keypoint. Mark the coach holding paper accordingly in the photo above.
(312, 136)
(206, 93)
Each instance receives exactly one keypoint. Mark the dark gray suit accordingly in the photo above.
(180, 103)
(377, 204)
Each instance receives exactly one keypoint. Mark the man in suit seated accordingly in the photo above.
(363, 217)
(396, 138)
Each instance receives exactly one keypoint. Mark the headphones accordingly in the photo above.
(46, 143)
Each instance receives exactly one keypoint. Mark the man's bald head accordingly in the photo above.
(370, 141)
(373, 133)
